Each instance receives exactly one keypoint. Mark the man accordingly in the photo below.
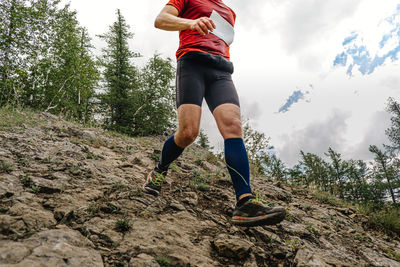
(204, 71)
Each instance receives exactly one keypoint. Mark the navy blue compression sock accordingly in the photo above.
(237, 163)
(170, 152)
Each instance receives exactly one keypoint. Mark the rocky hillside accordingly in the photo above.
(70, 196)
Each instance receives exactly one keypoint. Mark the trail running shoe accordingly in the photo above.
(254, 213)
(154, 182)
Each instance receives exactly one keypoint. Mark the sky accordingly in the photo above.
(310, 74)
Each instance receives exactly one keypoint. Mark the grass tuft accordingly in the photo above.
(123, 225)
(6, 167)
(203, 187)
(163, 261)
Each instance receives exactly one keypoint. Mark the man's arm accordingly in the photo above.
(168, 20)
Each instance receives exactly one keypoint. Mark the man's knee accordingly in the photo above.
(188, 135)
(231, 127)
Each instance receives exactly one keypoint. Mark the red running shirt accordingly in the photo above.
(190, 40)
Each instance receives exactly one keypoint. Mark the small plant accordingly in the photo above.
(198, 178)
(156, 155)
(26, 180)
(163, 261)
(175, 168)
(198, 162)
(62, 189)
(211, 158)
(393, 255)
(179, 189)
(139, 192)
(203, 187)
(74, 170)
(288, 217)
(271, 240)
(90, 155)
(3, 210)
(6, 167)
(328, 199)
(124, 158)
(307, 207)
(312, 230)
(359, 237)
(293, 244)
(93, 208)
(35, 189)
(122, 225)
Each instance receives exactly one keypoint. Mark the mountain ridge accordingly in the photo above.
(71, 196)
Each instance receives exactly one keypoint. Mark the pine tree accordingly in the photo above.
(277, 169)
(316, 172)
(393, 132)
(203, 140)
(153, 105)
(120, 76)
(337, 171)
(386, 169)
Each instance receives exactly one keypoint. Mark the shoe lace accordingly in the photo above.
(259, 201)
(158, 178)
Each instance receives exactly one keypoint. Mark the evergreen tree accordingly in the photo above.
(153, 105)
(357, 187)
(296, 174)
(316, 172)
(393, 132)
(203, 140)
(120, 76)
(337, 171)
(277, 169)
(386, 169)
(258, 148)
(135, 102)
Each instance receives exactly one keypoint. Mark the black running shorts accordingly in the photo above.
(201, 76)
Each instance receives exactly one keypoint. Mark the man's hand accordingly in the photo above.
(202, 25)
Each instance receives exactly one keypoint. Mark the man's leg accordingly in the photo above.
(188, 128)
(229, 124)
(248, 211)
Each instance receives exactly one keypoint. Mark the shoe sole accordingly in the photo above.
(149, 190)
(268, 219)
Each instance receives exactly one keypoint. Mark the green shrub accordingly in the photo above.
(385, 217)
(6, 167)
(327, 198)
(203, 187)
(388, 218)
(163, 261)
(122, 225)
(26, 180)
(312, 229)
(35, 189)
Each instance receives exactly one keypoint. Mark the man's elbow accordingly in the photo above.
(158, 22)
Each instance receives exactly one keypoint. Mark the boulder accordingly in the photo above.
(232, 246)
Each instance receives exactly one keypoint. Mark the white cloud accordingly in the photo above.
(315, 138)
(374, 135)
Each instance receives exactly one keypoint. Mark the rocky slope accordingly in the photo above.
(70, 196)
